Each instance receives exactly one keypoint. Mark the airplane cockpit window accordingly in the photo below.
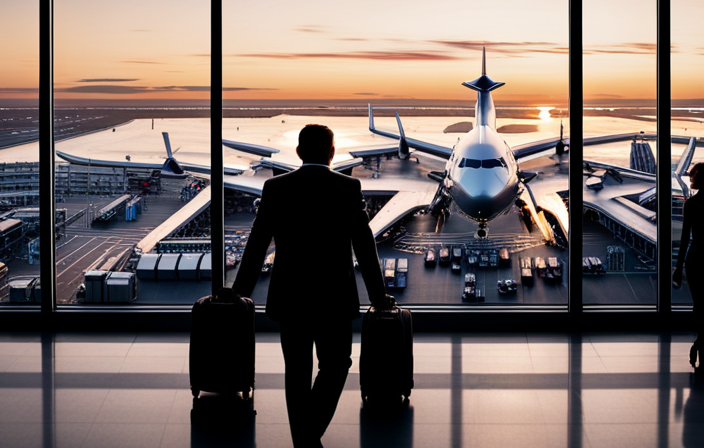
(470, 163)
(487, 163)
(494, 163)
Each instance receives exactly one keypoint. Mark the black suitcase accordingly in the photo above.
(221, 353)
(386, 358)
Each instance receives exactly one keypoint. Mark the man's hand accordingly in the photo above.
(387, 303)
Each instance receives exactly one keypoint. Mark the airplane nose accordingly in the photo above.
(480, 194)
(483, 184)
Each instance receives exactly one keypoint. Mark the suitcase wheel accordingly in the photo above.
(195, 392)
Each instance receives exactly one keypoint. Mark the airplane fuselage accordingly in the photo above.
(481, 175)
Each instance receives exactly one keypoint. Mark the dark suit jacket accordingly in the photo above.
(316, 216)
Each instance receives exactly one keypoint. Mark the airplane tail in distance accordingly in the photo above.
(483, 83)
(169, 154)
(171, 167)
(371, 118)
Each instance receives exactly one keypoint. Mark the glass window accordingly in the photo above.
(620, 230)
(19, 154)
(687, 61)
(133, 152)
(316, 68)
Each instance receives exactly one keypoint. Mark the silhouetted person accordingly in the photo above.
(693, 259)
(316, 217)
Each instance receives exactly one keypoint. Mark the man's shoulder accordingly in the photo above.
(323, 175)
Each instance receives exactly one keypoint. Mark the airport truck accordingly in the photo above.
(526, 271)
(444, 256)
(430, 260)
(401, 273)
(390, 272)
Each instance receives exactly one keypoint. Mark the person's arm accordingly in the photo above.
(255, 251)
(684, 243)
(364, 247)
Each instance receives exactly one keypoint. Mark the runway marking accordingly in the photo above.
(629, 285)
(76, 250)
(84, 256)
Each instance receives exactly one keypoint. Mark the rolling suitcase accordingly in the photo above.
(221, 353)
(386, 358)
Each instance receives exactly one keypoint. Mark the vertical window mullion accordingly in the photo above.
(576, 155)
(216, 156)
(47, 205)
(664, 155)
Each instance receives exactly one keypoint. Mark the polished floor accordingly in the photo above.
(472, 390)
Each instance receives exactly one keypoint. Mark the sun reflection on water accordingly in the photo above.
(545, 113)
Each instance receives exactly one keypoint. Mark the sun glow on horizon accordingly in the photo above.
(544, 114)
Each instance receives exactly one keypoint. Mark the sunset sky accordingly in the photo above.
(318, 49)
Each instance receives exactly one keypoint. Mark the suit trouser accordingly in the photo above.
(310, 409)
(694, 267)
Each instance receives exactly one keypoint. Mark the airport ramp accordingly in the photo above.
(176, 221)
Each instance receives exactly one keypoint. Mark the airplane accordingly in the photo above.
(481, 176)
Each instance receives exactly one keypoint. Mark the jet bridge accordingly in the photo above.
(176, 222)
(110, 211)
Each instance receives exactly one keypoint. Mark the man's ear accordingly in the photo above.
(298, 153)
(331, 154)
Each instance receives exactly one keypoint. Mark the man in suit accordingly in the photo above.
(316, 217)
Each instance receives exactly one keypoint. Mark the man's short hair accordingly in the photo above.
(314, 143)
(697, 171)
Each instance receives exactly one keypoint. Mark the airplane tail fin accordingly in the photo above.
(171, 166)
(169, 154)
(403, 150)
(371, 118)
(483, 83)
(400, 126)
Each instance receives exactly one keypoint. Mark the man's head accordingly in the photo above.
(696, 176)
(316, 144)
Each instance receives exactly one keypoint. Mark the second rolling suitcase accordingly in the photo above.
(386, 358)
(221, 353)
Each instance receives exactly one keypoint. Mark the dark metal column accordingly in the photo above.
(217, 216)
(664, 170)
(576, 154)
(47, 207)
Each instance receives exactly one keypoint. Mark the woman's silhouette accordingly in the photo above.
(693, 259)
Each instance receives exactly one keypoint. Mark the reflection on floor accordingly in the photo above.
(472, 390)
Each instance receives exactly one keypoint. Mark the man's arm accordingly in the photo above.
(684, 243)
(364, 247)
(255, 251)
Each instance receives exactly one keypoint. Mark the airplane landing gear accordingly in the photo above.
(482, 232)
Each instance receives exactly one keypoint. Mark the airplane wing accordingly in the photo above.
(191, 167)
(418, 145)
(546, 147)
(374, 151)
(429, 148)
(281, 166)
(533, 150)
(257, 150)
(246, 184)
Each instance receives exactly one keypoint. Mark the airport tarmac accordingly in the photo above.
(84, 247)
